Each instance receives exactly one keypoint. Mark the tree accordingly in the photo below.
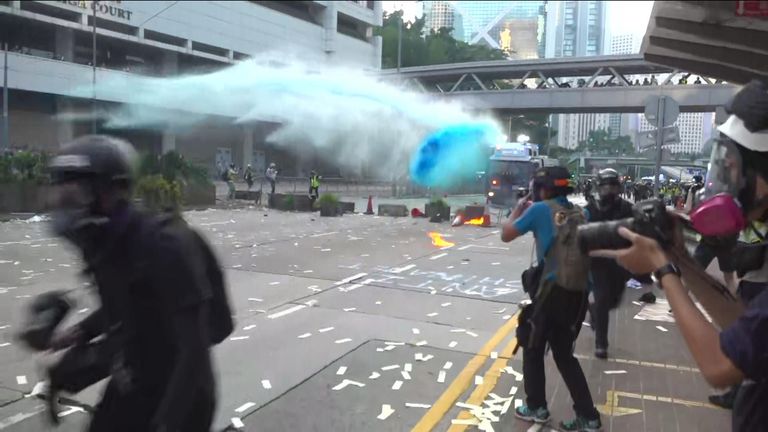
(433, 47)
(535, 126)
(599, 142)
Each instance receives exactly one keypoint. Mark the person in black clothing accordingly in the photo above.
(153, 289)
(608, 277)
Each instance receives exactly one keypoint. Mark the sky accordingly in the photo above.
(622, 16)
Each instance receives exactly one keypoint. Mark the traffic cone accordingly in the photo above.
(369, 210)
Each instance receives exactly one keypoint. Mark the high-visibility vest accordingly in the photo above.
(314, 181)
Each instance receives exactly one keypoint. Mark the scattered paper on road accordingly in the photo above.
(421, 343)
(374, 375)
(390, 367)
(478, 380)
(614, 372)
(386, 411)
(417, 405)
(452, 344)
(406, 375)
(244, 407)
(341, 341)
(237, 423)
(266, 384)
(326, 329)
(467, 422)
(441, 376)
(236, 338)
(21, 380)
(432, 314)
(447, 365)
(397, 384)
(473, 334)
(661, 328)
(305, 335)
(416, 331)
(347, 382)
(446, 304)
(342, 370)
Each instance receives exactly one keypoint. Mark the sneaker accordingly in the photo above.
(601, 353)
(648, 298)
(540, 415)
(724, 400)
(580, 424)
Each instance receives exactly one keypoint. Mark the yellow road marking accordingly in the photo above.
(489, 382)
(449, 397)
(612, 408)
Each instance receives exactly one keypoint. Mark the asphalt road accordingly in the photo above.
(339, 322)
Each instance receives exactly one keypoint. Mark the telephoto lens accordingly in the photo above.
(650, 219)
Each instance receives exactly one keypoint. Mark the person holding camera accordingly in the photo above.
(559, 295)
(735, 192)
(608, 277)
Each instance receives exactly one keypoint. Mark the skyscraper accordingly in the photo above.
(517, 27)
(622, 44)
(694, 128)
(579, 28)
(439, 14)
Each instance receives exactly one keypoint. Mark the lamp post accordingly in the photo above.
(6, 144)
(94, 4)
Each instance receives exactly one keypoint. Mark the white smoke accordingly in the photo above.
(348, 113)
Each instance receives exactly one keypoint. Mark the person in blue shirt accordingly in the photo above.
(737, 179)
(560, 316)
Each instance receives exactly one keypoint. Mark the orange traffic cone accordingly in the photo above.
(369, 210)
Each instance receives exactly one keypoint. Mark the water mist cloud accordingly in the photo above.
(346, 113)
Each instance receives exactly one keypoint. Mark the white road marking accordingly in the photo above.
(286, 311)
(386, 411)
(245, 407)
(438, 256)
(350, 279)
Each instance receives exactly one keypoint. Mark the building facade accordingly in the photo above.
(574, 128)
(51, 53)
(694, 129)
(578, 28)
(516, 27)
(623, 44)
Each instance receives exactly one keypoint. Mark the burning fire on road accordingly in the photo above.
(438, 240)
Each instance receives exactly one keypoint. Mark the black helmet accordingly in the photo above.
(554, 178)
(608, 176)
(99, 158)
(698, 179)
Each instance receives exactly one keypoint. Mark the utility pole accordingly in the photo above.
(399, 42)
(6, 144)
(662, 101)
(93, 63)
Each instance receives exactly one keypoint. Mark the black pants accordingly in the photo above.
(609, 280)
(272, 185)
(132, 412)
(558, 324)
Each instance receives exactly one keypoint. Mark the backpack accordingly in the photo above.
(220, 323)
(564, 257)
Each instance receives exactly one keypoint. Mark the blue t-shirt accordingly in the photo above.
(745, 343)
(538, 219)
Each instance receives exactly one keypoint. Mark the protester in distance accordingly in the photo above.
(735, 192)
(271, 175)
(248, 176)
(557, 311)
(314, 186)
(608, 277)
(153, 283)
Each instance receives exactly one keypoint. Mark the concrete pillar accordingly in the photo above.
(65, 43)
(169, 142)
(169, 65)
(247, 145)
(330, 25)
(65, 129)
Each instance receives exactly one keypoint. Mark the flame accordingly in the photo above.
(475, 221)
(438, 240)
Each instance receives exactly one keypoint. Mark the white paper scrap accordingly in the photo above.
(458, 330)
(386, 411)
(266, 384)
(236, 338)
(374, 375)
(341, 341)
(350, 309)
(432, 314)
(452, 344)
(408, 367)
(21, 380)
(494, 355)
(347, 382)
(473, 334)
(406, 375)
(245, 407)
(416, 331)
(421, 343)
(478, 380)
(447, 365)
(513, 390)
(446, 304)
(614, 372)
(390, 367)
(326, 329)
(237, 423)
(397, 385)
(518, 403)
(465, 422)
(305, 335)
(342, 370)
(661, 328)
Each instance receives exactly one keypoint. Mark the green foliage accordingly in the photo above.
(289, 202)
(536, 126)
(159, 194)
(24, 166)
(419, 49)
(172, 166)
(599, 143)
(327, 200)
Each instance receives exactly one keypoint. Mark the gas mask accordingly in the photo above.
(73, 216)
(608, 193)
(728, 193)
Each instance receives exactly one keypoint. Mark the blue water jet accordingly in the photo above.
(453, 154)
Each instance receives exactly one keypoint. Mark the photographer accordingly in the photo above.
(559, 295)
(154, 290)
(736, 190)
(608, 277)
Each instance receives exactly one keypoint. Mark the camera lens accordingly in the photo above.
(604, 235)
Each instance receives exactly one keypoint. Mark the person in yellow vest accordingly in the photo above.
(314, 186)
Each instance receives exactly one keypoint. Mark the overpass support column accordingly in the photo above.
(247, 145)
(65, 43)
(65, 129)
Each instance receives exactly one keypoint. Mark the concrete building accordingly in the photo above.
(623, 44)
(51, 54)
(573, 128)
(442, 14)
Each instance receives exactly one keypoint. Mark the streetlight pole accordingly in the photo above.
(6, 144)
(93, 63)
(399, 42)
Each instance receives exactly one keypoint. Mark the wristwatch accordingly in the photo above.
(664, 270)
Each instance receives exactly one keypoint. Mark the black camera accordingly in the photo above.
(650, 219)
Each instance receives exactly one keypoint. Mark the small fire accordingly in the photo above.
(438, 240)
(475, 221)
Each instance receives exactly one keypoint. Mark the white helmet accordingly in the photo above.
(748, 123)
